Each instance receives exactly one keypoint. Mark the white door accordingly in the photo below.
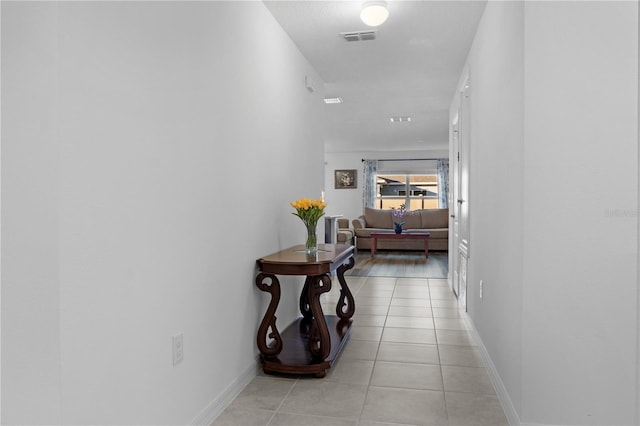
(453, 206)
(462, 205)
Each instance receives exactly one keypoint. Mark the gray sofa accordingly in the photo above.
(434, 221)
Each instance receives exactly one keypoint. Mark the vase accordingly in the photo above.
(397, 227)
(311, 247)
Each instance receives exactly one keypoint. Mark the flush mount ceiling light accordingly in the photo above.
(374, 13)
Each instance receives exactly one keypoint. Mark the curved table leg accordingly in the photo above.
(346, 305)
(319, 340)
(305, 306)
(269, 320)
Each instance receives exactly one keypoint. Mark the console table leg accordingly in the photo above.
(346, 305)
(319, 339)
(305, 306)
(269, 321)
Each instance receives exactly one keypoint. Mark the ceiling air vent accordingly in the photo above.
(359, 35)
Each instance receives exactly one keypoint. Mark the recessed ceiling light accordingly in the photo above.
(400, 119)
(336, 100)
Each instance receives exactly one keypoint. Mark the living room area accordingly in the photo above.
(410, 194)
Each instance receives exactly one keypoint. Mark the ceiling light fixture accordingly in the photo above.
(374, 13)
(400, 119)
(336, 100)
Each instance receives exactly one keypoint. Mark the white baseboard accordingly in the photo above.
(501, 391)
(217, 406)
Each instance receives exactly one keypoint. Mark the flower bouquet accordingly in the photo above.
(309, 211)
(398, 214)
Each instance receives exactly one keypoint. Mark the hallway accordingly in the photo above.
(410, 360)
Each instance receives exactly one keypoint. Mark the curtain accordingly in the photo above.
(369, 178)
(443, 183)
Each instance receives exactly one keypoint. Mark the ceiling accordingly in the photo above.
(410, 69)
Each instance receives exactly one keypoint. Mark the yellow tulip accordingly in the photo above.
(309, 210)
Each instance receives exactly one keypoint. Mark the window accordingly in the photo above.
(414, 191)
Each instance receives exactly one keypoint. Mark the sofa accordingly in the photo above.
(345, 234)
(434, 221)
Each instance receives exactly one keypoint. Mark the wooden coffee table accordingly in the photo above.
(402, 236)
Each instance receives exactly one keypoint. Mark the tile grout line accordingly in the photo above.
(277, 410)
(444, 393)
(375, 359)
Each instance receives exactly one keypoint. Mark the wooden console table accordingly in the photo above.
(313, 342)
(404, 235)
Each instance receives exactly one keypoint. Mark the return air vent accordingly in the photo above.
(359, 35)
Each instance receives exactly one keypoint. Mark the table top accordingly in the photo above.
(294, 260)
(403, 233)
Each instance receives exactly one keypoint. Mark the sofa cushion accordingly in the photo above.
(411, 220)
(359, 223)
(378, 218)
(347, 232)
(345, 237)
(435, 218)
(434, 233)
(343, 223)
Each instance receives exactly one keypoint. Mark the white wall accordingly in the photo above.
(145, 167)
(581, 159)
(30, 280)
(348, 202)
(554, 139)
(496, 182)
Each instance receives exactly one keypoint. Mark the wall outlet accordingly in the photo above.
(178, 349)
(481, 288)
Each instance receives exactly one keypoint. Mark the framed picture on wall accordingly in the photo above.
(346, 179)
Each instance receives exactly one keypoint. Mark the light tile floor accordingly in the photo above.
(410, 361)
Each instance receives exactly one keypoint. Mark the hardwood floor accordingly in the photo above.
(410, 264)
